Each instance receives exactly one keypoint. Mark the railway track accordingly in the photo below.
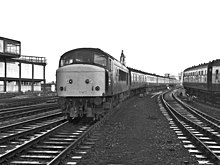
(52, 145)
(26, 141)
(47, 141)
(199, 132)
(15, 102)
(12, 115)
(18, 112)
(21, 129)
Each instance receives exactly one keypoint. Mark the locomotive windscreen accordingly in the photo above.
(82, 57)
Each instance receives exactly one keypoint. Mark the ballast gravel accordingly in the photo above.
(138, 134)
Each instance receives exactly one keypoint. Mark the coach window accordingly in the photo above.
(216, 74)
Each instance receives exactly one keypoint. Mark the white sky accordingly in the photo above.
(157, 36)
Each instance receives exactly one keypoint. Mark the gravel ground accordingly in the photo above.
(138, 134)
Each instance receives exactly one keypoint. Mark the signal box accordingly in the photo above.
(9, 48)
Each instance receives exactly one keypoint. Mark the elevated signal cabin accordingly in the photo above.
(19, 73)
(10, 48)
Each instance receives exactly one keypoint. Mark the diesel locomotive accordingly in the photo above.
(91, 81)
(203, 81)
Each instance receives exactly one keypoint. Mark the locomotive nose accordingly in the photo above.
(81, 80)
(61, 88)
(70, 81)
(97, 88)
(87, 81)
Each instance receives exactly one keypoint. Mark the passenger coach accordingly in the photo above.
(203, 81)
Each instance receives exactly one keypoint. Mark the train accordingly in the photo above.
(203, 81)
(91, 81)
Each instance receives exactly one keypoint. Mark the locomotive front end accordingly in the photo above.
(81, 83)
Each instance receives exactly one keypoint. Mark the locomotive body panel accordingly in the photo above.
(120, 77)
(81, 80)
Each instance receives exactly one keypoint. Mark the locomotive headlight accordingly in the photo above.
(97, 88)
(61, 88)
(87, 81)
(70, 81)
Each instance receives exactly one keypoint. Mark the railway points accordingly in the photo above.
(199, 132)
(155, 94)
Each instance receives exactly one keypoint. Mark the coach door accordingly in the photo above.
(109, 77)
(209, 76)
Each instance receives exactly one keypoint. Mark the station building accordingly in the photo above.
(19, 73)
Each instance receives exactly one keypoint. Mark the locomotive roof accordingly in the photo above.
(89, 49)
(204, 65)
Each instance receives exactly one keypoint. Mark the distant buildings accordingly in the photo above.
(19, 73)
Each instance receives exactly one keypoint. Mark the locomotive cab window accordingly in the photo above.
(83, 57)
(99, 59)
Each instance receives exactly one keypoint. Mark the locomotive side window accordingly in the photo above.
(122, 75)
(100, 59)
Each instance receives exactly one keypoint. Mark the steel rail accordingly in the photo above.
(24, 113)
(197, 142)
(19, 149)
(34, 106)
(26, 101)
(209, 119)
(25, 132)
(59, 158)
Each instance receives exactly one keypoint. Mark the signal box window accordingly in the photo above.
(12, 48)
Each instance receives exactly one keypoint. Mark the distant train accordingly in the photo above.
(90, 81)
(203, 81)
